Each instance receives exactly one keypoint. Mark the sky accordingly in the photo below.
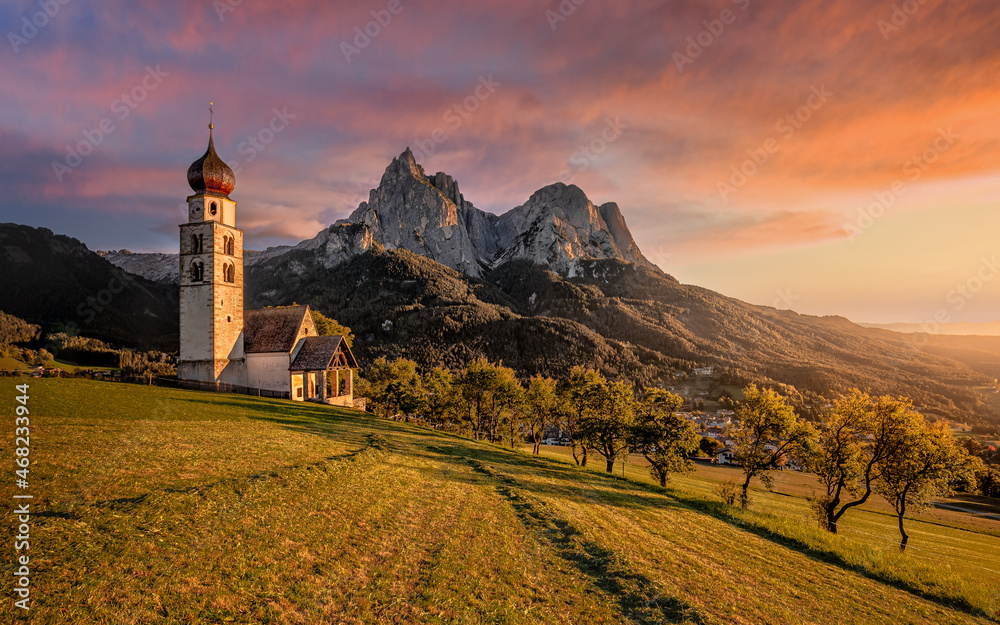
(837, 158)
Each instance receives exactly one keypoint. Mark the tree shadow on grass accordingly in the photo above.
(612, 490)
(374, 442)
(637, 596)
(629, 493)
(720, 512)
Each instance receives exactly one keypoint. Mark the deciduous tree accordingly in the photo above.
(330, 327)
(476, 382)
(767, 432)
(573, 395)
(441, 400)
(664, 438)
(542, 407)
(927, 465)
(861, 433)
(608, 420)
(394, 385)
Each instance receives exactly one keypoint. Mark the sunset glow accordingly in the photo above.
(832, 158)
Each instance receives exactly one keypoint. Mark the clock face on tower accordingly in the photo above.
(197, 210)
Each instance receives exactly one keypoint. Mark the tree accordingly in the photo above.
(542, 407)
(15, 330)
(573, 396)
(608, 420)
(405, 395)
(861, 433)
(441, 400)
(664, 438)
(927, 465)
(330, 327)
(476, 381)
(506, 406)
(989, 481)
(395, 386)
(710, 446)
(492, 394)
(768, 431)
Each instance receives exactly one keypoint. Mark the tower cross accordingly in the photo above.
(211, 115)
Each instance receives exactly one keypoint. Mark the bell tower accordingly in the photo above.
(211, 276)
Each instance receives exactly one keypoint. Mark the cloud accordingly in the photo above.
(686, 129)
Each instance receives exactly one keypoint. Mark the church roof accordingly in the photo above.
(210, 173)
(318, 352)
(272, 329)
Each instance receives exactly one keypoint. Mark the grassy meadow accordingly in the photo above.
(171, 506)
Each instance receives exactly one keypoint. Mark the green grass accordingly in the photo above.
(171, 506)
(12, 364)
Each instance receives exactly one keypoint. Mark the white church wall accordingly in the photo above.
(268, 371)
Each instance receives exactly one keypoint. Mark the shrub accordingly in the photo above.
(728, 492)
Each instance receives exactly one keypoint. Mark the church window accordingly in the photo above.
(228, 245)
(232, 246)
(229, 318)
(215, 208)
(197, 271)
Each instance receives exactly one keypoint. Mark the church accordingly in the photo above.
(272, 349)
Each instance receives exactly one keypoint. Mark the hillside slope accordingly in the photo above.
(628, 321)
(56, 282)
(198, 507)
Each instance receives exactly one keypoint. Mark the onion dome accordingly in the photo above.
(210, 174)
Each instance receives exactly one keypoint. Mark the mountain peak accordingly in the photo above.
(558, 226)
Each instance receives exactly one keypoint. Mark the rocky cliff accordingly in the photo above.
(558, 228)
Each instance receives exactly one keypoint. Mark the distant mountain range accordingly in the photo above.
(418, 271)
(943, 329)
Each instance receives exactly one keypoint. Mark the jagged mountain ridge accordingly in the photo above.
(558, 227)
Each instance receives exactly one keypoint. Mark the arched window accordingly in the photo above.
(229, 273)
(197, 271)
(231, 248)
(194, 244)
